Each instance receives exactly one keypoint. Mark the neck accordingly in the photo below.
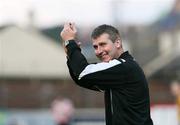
(121, 51)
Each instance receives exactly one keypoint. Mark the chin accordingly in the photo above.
(105, 60)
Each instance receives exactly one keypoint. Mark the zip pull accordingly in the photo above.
(112, 111)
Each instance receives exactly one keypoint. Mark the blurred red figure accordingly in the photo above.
(175, 89)
(62, 111)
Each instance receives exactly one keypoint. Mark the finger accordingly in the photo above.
(66, 26)
(73, 27)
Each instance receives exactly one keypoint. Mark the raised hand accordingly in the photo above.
(69, 31)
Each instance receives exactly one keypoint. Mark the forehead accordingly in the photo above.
(102, 38)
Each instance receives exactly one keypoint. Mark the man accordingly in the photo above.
(62, 111)
(118, 75)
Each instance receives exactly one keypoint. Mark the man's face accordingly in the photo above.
(175, 88)
(105, 49)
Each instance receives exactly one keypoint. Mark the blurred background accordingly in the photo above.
(33, 64)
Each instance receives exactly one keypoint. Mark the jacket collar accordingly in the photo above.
(125, 55)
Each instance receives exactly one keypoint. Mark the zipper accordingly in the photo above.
(111, 102)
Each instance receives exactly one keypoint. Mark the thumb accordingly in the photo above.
(73, 27)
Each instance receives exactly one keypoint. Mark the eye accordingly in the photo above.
(95, 46)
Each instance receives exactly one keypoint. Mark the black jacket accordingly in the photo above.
(123, 82)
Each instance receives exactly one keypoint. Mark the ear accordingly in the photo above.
(118, 43)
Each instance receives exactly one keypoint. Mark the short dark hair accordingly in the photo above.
(112, 31)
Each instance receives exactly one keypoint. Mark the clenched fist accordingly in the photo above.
(69, 31)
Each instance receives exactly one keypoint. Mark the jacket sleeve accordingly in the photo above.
(88, 86)
(76, 63)
(100, 75)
